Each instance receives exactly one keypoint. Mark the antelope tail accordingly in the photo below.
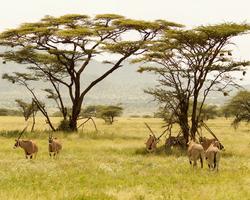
(201, 159)
(215, 159)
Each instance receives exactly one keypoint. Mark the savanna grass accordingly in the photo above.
(112, 164)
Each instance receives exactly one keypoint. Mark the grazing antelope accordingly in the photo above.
(195, 152)
(213, 155)
(54, 146)
(30, 148)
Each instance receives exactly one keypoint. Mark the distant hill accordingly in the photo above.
(123, 86)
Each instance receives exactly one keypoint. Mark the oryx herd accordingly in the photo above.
(208, 149)
(30, 147)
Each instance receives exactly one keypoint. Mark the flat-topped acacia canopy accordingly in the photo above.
(59, 49)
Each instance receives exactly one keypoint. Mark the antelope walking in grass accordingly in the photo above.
(213, 155)
(195, 152)
(55, 146)
(30, 148)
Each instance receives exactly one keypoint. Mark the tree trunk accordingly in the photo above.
(76, 109)
(193, 118)
(33, 121)
(183, 120)
(185, 130)
(112, 119)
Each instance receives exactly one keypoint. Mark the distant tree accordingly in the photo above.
(108, 113)
(28, 110)
(239, 106)
(190, 64)
(59, 49)
(162, 113)
(89, 111)
(207, 112)
(226, 111)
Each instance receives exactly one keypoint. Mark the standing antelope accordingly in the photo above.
(30, 148)
(54, 146)
(213, 155)
(195, 152)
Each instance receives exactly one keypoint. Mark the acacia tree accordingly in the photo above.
(239, 107)
(108, 113)
(59, 49)
(190, 64)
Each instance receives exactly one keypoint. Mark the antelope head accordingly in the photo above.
(50, 138)
(17, 144)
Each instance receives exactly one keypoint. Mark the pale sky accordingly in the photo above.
(188, 12)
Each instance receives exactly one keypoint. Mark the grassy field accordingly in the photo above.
(112, 164)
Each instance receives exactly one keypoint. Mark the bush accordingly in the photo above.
(64, 126)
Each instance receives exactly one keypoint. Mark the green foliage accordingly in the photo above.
(207, 112)
(108, 16)
(190, 63)
(239, 108)
(224, 30)
(90, 111)
(108, 113)
(59, 49)
(77, 32)
(123, 48)
(226, 111)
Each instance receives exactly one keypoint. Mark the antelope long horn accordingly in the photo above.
(22, 132)
(50, 135)
(149, 129)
